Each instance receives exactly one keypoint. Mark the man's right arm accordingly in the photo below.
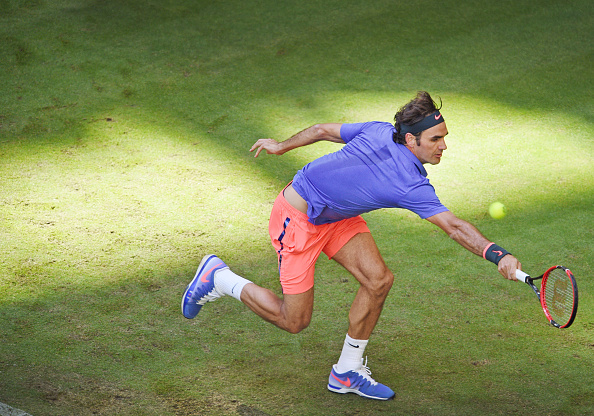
(329, 132)
(469, 237)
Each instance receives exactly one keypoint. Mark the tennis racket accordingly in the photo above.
(558, 294)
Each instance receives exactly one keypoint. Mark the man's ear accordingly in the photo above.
(410, 140)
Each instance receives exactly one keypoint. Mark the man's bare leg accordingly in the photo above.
(361, 257)
(291, 313)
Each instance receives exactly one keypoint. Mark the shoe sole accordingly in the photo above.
(343, 390)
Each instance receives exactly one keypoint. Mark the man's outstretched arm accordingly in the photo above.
(329, 132)
(469, 237)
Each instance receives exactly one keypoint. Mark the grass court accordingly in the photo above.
(124, 135)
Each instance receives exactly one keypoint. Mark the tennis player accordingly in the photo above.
(379, 166)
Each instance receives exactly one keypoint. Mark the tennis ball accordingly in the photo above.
(497, 210)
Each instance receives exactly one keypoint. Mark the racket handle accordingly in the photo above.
(521, 276)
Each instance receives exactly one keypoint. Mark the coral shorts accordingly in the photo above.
(298, 243)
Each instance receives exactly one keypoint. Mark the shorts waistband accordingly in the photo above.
(294, 211)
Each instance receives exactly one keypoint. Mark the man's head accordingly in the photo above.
(421, 128)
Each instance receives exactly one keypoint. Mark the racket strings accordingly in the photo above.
(558, 296)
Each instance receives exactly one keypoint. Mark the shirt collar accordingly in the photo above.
(411, 156)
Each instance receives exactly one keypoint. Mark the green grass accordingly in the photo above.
(124, 130)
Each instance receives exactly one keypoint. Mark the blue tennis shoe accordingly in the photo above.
(202, 289)
(359, 382)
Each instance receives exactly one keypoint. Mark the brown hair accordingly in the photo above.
(412, 112)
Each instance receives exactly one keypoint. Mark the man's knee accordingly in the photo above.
(296, 326)
(296, 312)
(380, 282)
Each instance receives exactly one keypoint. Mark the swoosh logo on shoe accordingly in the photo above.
(346, 383)
(437, 116)
(204, 279)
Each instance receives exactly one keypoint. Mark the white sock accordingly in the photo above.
(228, 283)
(352, 354)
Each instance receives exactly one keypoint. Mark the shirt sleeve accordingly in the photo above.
(349, 131)
(423, 201)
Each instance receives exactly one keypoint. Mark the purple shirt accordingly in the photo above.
(369, 172)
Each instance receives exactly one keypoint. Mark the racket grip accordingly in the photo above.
(521, 276)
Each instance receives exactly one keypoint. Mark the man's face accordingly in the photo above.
(429, 147)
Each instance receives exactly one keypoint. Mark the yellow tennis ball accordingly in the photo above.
(497, 210)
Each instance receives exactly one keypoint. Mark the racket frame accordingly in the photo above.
(524, 277)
